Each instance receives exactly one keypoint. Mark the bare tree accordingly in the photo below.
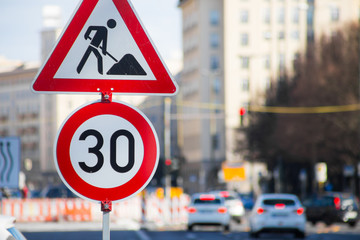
(327, 75)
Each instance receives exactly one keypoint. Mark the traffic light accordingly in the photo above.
(242, 112)
(168, 162)
(172, 164)
(168, 166)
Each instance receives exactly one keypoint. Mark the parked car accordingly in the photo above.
(57, 191)
(332, 207)
(277, 213)
(233, 203)
(8, 229)
(208, 209)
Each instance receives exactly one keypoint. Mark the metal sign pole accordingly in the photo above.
(106, 207)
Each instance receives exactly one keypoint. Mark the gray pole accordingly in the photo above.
(167, 143)
(106, 226)
(106, 207)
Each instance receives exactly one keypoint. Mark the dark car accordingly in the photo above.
(58, 191)
(332, 207)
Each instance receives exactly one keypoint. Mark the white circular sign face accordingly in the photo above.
(107, 125)
(106, 151)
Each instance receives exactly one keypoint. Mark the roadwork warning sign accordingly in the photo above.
(105, 48)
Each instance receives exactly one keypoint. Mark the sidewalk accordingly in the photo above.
(120, 225)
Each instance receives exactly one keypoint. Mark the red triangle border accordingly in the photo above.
(45, 81)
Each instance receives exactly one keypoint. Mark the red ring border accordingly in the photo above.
(82, 188)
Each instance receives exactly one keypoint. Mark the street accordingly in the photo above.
(75, 231)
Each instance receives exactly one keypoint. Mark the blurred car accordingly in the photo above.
(208, 209)
(57, 191)
(332, 207)
(8, 230)
(277, 213)
(233, 203)
(34, 193)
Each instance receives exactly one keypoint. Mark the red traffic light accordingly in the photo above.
(242, 111)
(168, 162)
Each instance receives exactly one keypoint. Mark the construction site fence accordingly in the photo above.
(149, 208)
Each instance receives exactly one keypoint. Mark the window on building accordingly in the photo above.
(267, 82)
(245, 84)
(295, 59)
(310, 15)
(215, 141)
(244, 62)
(214, 17)
(216, 85)
(281, 15)
(310, 35)
(295, 34)
(281, 35)
(214, 62)
(334, 13)
(267, 35)
(267, 15)
(296, 15)
(267, 62)
(244, 16)
(214, 40)
(282, 62)
(244, 39)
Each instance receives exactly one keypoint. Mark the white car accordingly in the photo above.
(233, 203)
(277, 213)
(208, 209)
(8, 230)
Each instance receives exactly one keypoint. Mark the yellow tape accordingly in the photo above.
(305, 110)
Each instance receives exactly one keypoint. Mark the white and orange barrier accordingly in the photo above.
(76, 210)
(41, 210)
(152, 209)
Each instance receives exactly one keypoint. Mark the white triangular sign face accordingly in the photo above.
(119, 43)
(105, 48)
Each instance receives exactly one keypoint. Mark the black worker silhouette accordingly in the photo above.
(128, 65)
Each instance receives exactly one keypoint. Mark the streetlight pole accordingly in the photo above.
(167, 144)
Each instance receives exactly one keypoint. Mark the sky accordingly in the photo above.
(21, 24)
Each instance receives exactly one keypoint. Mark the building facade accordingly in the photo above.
(35, 118)
(234, 50)
(202, 91)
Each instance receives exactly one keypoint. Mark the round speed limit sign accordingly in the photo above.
(106, 151)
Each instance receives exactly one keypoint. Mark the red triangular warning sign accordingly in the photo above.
(105, 48)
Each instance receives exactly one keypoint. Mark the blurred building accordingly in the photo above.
(325, 17)
(202, 92)
(162, 113)
(36, 118)
(234, 50)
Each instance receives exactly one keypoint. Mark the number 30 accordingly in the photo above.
(100, 157)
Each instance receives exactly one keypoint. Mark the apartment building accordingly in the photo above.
(234, 50)
(35, 118)
(325, 17)
(202, 90)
